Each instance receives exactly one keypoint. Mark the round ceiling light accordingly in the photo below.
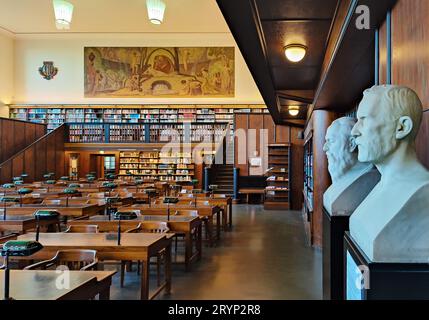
(295, 52)
(293, 110)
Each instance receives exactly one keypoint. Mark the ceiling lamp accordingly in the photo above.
(155, 10)
(63, 14)
(293, 110)
(295, 52)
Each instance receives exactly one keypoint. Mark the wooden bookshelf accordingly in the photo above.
(277, 191)
(308, 177)
(146, 133)
(55, 115)
(149, 165)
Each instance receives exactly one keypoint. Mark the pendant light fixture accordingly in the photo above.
(155, 10)
(63, 14)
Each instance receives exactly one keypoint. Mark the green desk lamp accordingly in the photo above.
(23, 191)
(23, 176)
(150, 192)
(49, 182)
(69, 192)
(9, 186)
(44, 215)
(15, 248)
(123, 215)
(169, 200)
(213, 188)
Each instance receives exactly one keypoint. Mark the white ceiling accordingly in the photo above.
(108, 16)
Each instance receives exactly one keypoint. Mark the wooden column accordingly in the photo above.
(321, 121)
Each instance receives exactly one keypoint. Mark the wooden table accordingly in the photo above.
(179, 225)
(207, 212)
(71, 210)
(23, 224)
(134, 247)
(42, 285)
(249, 191)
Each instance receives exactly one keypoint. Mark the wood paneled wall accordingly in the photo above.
(44, 155)
(410, 58)
(15, 135)
(250, 142)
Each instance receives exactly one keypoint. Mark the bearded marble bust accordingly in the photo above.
(392, 223)
(351, 179)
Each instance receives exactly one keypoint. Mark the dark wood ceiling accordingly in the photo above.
(262, 28)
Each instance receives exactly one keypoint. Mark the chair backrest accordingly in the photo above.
(203, 203)
(186, 213)
(98, 195)
(73, 259)
(76, 259)
(151, 227)
(52, 201)
(87, 228)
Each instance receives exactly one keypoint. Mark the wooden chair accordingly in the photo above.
(74, 259)
(147, 227)
(98, 195)
(88, 228)
(184, 213)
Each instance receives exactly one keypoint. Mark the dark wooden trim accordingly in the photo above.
(377, 58)
(294, 98)
(389, 47)
(300, 20)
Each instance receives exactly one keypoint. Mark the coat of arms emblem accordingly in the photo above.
(48, 71)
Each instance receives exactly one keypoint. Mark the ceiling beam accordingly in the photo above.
(243, 21)
(294, 98)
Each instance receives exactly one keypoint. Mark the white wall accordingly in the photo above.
(66, 50)
(6, 72)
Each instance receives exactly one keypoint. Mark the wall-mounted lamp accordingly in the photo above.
(293, 110)
(295, 52)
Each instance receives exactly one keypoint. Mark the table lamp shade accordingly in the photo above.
(8, 186)
(46, 214)
(25, 191)
(213, 187)
(46, 176)
(17, 178)
(9, 199)
(50, 181)
(109, 185)
(74, 185)
(125, 215)
(20, 248)
(24, 175)
(171, 200)
(18, 182)
(70, 191)
(65, 178)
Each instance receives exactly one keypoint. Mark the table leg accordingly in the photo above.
(224, 218)
(145, 280)
(188, 250)
(218, 226)
(104, 294)
(230, 214)
(168, 269)
(200, 240)
(209, 227)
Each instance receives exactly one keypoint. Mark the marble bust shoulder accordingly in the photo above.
(351, 180)
(392, 223)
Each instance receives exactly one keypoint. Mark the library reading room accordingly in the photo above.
(214, 149)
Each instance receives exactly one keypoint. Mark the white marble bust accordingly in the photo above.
(392, 223)
(351, 180)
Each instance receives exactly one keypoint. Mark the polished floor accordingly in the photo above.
(264, 257)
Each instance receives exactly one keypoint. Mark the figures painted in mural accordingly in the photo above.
(153, 72)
